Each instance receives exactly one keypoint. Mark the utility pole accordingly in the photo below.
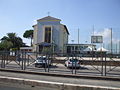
(78, 42)
(111, 41)
(116, 48)
(78, 35)
(92, 41)
(93, 30)
(119, 46)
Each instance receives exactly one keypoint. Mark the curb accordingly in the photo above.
(35, 84)
(63, 75)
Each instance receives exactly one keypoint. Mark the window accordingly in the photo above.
(47, 37)
(76, 48)
(68, 49)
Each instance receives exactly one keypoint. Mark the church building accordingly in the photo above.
(51, 34)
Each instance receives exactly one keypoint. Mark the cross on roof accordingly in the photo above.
(48, 13)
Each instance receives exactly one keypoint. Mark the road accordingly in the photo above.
(105, 83)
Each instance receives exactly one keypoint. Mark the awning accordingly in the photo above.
(89, 49)
(102, 49)
(45, 44)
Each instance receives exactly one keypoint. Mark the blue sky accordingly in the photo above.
(19, 15)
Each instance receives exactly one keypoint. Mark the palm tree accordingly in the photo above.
(5, 45)
(16, 41)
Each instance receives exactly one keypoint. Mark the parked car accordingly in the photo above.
(42, 61)
(72, 63)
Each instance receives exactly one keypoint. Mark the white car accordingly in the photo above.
(72, 63)
(42, 61)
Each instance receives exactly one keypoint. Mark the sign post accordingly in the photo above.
(98, 39)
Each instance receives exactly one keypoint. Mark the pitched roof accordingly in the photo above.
(66, 29)
(48, 18)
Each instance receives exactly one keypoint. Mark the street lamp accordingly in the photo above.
(53, 46)
(85, 41)
(72, 41)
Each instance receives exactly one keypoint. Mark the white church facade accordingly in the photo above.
(50, 33)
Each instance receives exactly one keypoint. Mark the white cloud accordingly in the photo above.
(115, 40)
(34, 22)
(106, 33)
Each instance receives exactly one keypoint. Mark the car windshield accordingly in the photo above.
(44, 58)
(73, 60)
(41, 58)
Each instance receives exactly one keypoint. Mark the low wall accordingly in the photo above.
(8, 58)
(90, 62)
(82, 62)
(26, 84)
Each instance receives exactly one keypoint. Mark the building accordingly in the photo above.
(79, 48)
(26, 49)
(50, 34)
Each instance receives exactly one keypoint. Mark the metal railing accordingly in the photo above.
(98, 64)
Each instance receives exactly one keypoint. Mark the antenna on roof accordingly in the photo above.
(48, 13)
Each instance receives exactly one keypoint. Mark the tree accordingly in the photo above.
(5, 45)
(16, 41)
(4, 38)
(28, 34)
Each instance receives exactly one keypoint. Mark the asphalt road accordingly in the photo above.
(15, 86)
(105, 83)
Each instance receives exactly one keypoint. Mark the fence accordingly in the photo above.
(97, 64)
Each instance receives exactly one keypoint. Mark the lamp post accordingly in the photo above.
(86, 42)
(73, 46)
(72, 41)
(53, 46)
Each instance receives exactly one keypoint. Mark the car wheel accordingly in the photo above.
(35, 65)
(65, 65)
